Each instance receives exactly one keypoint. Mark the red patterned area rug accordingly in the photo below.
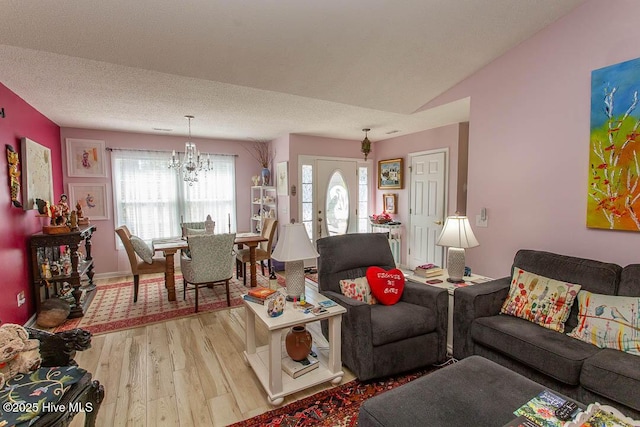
(112, 307)
(334, 407)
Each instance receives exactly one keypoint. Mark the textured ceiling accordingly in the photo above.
(257, 69)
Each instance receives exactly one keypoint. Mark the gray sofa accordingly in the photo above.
(577, 369)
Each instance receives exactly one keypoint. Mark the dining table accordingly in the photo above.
(169, 247)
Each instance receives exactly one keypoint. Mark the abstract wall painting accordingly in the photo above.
(37, 173)
(614, 163)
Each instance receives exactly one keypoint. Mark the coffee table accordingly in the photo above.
(266, 361)
(473, 392)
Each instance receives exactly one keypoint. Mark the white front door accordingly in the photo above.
(337, 197)
(427, 208)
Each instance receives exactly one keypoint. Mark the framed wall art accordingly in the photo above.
(94, 199)
(86, 158)
(389, 202)
(613, 200)
(37, 173)
(390, 174)
(282, 179)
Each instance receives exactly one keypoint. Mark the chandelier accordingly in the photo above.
(366, 144)
(192, 162)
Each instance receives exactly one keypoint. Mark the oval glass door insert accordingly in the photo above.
(337, 209)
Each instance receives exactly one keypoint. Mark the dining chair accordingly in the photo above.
(263, 251)
(198, 227)
(138, 264)
(208, 262)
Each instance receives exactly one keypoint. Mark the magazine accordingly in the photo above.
(541, 409)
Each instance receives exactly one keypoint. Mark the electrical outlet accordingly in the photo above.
(21, 299)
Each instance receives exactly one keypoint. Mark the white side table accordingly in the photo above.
(474, 279)
(266, 361)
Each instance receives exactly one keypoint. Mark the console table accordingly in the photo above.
(47, 247)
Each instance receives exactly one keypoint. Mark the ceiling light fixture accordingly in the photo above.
(192, 162)
(365, 147)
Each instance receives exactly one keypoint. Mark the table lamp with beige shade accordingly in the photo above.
(457, 236)
(293, 248)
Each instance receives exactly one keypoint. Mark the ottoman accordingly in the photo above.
(473, 392)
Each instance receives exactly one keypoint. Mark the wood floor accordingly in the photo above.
(184, 372)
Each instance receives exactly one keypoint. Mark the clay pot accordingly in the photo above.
(298, 343)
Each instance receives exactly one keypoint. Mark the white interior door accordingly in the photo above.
(427, 208)
(337, 197)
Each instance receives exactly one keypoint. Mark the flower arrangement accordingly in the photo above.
(382, 218)
(261, 151)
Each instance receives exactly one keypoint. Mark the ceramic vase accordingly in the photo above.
(266, 176)
(298, 343)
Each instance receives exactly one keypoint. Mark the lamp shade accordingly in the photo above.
(294, 244)
(457, 233)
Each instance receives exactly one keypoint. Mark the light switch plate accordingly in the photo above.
(480, 222)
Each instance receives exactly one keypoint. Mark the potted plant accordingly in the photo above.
(261, 151)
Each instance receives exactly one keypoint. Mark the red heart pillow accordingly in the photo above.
(386, 286)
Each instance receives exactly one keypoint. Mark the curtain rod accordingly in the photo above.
(164, 151)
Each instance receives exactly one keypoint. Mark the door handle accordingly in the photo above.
(437, 222)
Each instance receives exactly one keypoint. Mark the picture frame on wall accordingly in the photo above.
(37, 173)
(93, 198)
(282, 179)
(389, 203)
(86, 158)
(390, 174)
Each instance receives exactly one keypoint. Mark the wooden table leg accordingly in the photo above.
(252, 264)
(170, 279)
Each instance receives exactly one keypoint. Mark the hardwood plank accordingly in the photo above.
(224, 410)
(159, 366)
(207, 363)
(163, 411)
(131, 403)
(192, 406)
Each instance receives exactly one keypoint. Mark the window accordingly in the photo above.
(151, 199)
(363, 199)
(307, 198)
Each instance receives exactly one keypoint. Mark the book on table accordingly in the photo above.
(261, 292)
(257, 300)
(295, 369)
(428, 270)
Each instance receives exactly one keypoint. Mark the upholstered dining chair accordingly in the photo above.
(209, 262)
(380, 340)
(199, 227)
(263, 251)
(148, 265)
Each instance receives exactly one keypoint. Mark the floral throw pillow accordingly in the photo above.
(357, 289)
(541, 300)
(142, 249)
(608, 321)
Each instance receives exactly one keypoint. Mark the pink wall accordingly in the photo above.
(529, 139)
(16, 224)
(402, 146)
(281, 148)
(104, 240)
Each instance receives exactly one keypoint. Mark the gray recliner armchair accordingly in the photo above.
(379, 340)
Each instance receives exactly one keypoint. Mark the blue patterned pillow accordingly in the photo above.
(32, 391)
